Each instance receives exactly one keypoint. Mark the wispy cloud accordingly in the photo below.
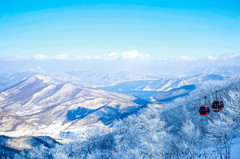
(113, 56)
(224, 57)
(187, 58)
(41, 57)
(62, 57)
(212, 58)
(15, 57)
(131, 60)
(127, 55)
(133, 54)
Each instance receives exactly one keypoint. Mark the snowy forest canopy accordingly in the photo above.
(175, 131)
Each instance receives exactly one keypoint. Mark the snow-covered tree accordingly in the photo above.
(176, 131)
(141, 136)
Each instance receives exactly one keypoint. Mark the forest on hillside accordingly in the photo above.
(175, 131)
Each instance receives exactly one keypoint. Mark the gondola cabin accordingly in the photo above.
(217, 106)
(204, 110)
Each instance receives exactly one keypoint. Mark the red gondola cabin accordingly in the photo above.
(204, 110)
(217, 106)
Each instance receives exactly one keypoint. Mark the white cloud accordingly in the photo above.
(113, 56)
(40, 57)
(127, 55)
(78, 58)
(88, 57)
(187, 58)
(212, 58)
(230, 56)
(62, 57)
(133, 54)
(15, 57)
(224, 57)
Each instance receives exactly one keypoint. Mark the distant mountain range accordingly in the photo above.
(163, 90)
(87, 79)
(169, 84)
(40, 104)
(64, 105)
(96, 79)
(37, 101)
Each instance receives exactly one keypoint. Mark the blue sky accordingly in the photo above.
(110, 30)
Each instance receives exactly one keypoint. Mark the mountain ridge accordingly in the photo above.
(38, 97)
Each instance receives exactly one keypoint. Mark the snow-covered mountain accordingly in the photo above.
(166, 96)
(146, 86)
(164, 89)
(96, 79)
(41, 104)
(175, 131)
(84, 78)
(226, 70)
(180, 81)
(7, 80)
(93, 79)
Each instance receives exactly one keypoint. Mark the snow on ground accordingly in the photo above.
(235, 149)
(57, 132)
